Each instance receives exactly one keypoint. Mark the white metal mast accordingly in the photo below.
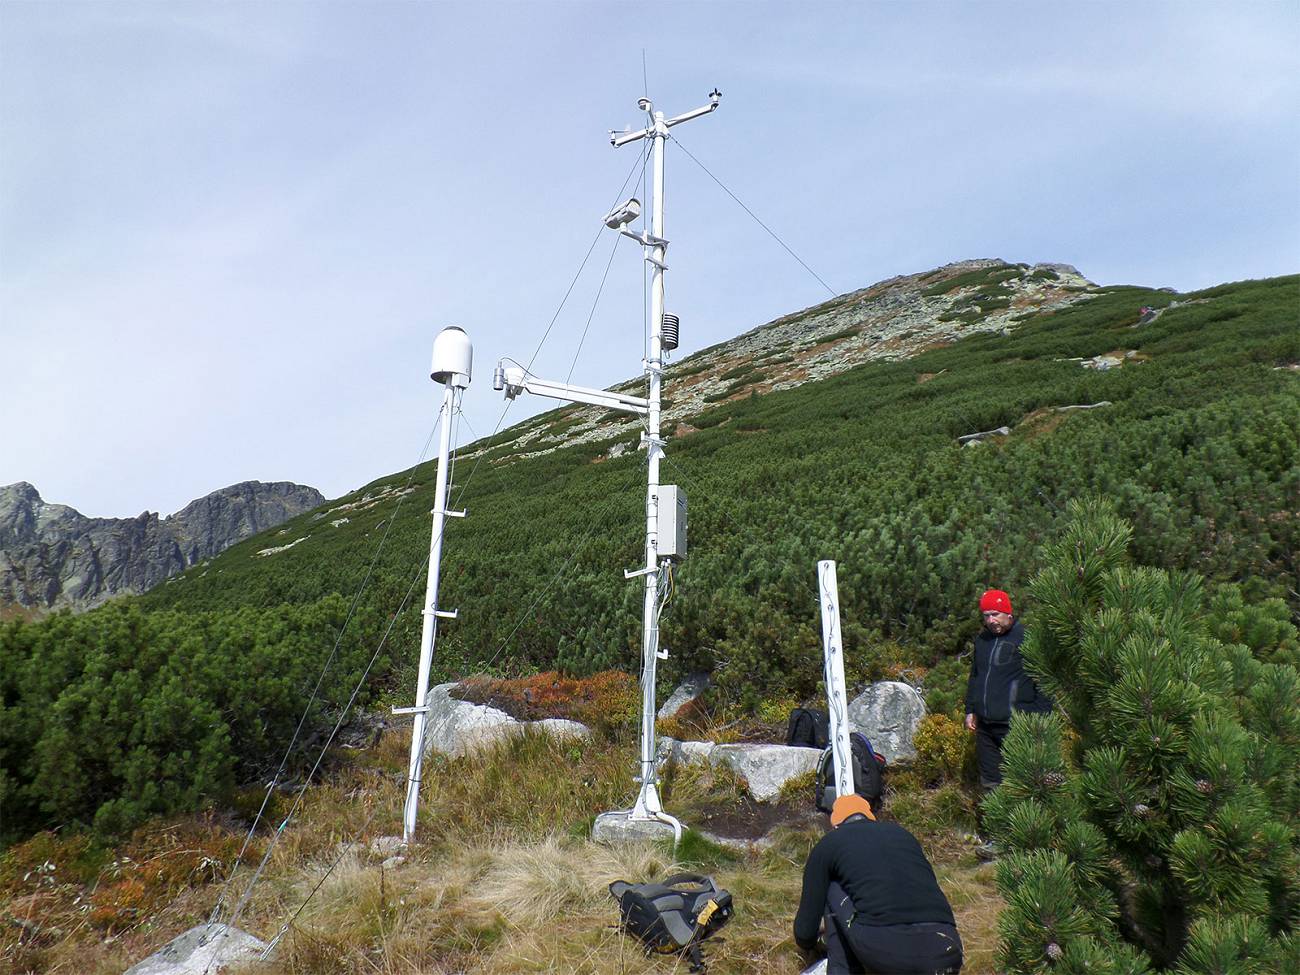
(515, 379)
(453, 358)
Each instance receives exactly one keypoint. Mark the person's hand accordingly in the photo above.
(970, 722)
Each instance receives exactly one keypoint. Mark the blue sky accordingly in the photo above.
(229, 232)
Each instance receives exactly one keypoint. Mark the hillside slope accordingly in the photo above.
(834, 433)
(1193, 431)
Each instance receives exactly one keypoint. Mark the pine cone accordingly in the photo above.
(1142, 810)
(1054, 779)
(1054, 951)
(1204, 787)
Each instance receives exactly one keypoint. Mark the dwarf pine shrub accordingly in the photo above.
(1166, 833)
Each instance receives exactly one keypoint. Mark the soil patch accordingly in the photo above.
(747, 819)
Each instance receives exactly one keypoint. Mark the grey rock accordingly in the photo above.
(393, 862)
(673, 750)
(386, 845)
(888, 713)
(689, 689)
(54, 557)
(616, 828)
(458, 727)
(739, 844)
(970, 439)
(205, 948)
(560, 728)
(1083, 406)
(765, 768)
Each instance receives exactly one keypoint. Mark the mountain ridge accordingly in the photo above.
(54, 557)
(896, 318)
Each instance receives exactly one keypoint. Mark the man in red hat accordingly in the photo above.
(998, 684)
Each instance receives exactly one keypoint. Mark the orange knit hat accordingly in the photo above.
(850, 805)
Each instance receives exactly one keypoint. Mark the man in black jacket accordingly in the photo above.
(998, 684)
(875, 890)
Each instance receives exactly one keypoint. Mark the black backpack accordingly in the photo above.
(868, 773)
(808, 728)
(673, 917)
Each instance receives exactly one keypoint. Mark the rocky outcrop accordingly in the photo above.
(889, 713)
(688, 691)
(458, 727)
(891, 320)
(52, 556)
(202, 949)
(765, 768)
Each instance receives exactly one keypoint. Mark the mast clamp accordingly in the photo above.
(633, 573)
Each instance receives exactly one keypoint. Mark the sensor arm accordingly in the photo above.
(617, 139)
(694, 113)
(515, 380)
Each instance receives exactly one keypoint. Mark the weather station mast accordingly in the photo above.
(453, 365)
(665, 506)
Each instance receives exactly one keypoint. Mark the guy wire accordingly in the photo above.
(772, 233)
(355, 600)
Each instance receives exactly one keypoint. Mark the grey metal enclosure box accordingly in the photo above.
(672, 522)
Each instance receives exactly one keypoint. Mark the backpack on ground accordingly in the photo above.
(673, 917)
(808, 728)
(868, 773)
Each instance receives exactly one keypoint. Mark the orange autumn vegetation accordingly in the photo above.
(605, 701)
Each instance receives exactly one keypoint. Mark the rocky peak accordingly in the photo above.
(52, 556)
(216, 521)
(893, 319)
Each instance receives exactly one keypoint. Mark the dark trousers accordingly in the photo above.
(892, 949)
(988, 750)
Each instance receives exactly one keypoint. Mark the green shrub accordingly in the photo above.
(944, 749)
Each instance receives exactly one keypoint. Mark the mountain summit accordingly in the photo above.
(52, 556)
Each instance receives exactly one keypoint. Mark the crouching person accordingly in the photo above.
(882, 907)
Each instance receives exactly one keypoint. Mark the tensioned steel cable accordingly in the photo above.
(771, 232)
(595, 240)
(333, 734)
(592, 314)
(564, 567)
(329, 662)
(356, 690)
(375, 656)
(302, 791)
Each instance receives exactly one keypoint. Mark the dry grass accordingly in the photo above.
(504, 881)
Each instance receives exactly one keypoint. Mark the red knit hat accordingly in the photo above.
(995, 599)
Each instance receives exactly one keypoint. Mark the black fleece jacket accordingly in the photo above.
(998, 681)
(881, 867)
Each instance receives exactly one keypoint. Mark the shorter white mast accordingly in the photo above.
(453, 359)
